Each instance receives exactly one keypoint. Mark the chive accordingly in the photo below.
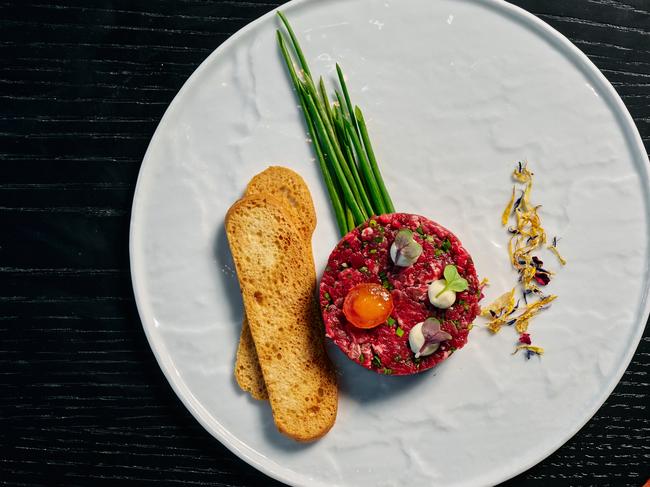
(325, 100)
(338, 132)
(376, 361)
(338, 122)
(324, 112)
(333, 194)
(296, 44)
(349, 219)
(390, 321)
(399, 332)
(329, 150)
(373, 162)
(346, 95)
(373, 189)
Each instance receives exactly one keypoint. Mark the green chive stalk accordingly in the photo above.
(341, 142)
(373, 162)
(329, 183)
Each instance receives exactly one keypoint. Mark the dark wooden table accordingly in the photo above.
(83, 85)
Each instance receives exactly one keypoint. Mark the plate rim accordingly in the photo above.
(527, 20)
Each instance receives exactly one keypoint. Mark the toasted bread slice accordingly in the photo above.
(247, 366)
(290, 189)
(277, 277)
(292, 193)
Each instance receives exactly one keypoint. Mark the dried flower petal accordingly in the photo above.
(508, 209)
(530, 349)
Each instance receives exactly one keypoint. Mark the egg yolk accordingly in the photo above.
(367, 305)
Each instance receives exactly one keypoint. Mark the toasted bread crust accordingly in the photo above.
(276, 272)
(292, 193)
(248, 372)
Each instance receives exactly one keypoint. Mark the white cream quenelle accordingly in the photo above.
(416, 341)
(439, 297)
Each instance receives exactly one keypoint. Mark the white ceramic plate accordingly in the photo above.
(455, 93)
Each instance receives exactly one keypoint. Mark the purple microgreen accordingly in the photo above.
(432, 334)
(405, 251)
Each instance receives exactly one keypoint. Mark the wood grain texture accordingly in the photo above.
(83, 84)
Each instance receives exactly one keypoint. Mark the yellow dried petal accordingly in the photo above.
(522, 176)
(521, 326)
(506, 212)
(523, 319)
(503, 304)
(495, 326)
(557, 254)
(532, 348)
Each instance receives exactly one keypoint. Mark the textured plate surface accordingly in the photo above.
(455, 92)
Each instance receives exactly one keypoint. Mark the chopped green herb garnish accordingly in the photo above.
(376, 361)
(361, 357)
(386, 371)
(399, 332)
(438, 252)
(372, 251)
(446, 245)
(387, 285)
(372, 223)
(378, 239)
(390, 321)
(363, 269)
(328, 297)
(429, 238)
(420, 230)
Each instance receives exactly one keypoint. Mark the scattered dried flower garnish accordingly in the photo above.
(526, 236)
(530, 350)
(556, 252)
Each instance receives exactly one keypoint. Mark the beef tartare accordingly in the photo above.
(425, 305)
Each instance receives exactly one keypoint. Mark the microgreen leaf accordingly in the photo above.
(432, 334)
(451, 273)
(453, 281)
(405, 251)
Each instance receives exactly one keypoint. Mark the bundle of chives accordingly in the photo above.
(341, 142)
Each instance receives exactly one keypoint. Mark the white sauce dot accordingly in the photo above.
(445, 300)
(416, 340)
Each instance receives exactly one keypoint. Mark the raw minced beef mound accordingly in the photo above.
(363, 256)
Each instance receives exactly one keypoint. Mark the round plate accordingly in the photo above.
(454, 92)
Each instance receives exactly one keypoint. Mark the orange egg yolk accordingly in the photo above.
(367, 305)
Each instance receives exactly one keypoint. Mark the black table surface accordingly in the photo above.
(83, 85)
